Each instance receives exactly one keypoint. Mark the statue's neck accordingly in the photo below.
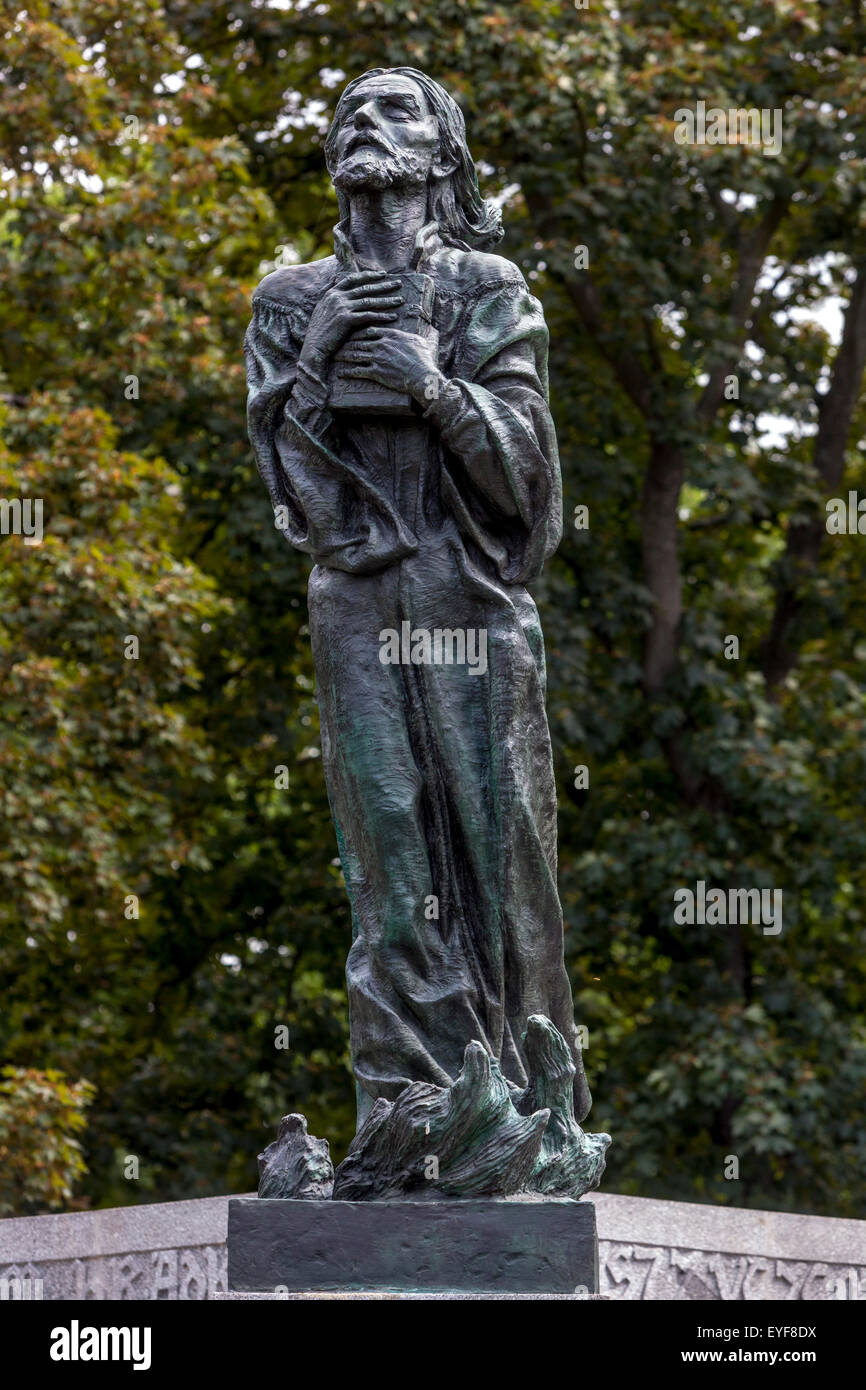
(384, 223)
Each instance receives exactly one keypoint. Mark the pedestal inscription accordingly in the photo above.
(544, 1245)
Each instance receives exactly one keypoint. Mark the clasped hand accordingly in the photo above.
(360, 307)
(401, 361)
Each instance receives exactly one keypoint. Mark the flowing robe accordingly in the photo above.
(440, 776)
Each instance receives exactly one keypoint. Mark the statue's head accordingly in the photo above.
(396, 126)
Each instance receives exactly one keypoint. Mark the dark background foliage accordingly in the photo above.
(156, 157)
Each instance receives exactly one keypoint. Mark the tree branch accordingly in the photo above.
(805, 537)
(753, 248)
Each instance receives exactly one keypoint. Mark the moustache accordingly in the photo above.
(369, 141)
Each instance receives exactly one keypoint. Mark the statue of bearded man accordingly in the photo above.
(398, 408)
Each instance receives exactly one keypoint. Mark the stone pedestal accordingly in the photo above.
(503, 1246)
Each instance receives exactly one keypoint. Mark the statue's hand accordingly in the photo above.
(401, 361)
(357, 301)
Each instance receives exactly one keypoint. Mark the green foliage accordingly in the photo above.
(131, 253)
(40, 1157)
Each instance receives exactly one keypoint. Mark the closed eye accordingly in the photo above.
(397, 106)
(393, 106)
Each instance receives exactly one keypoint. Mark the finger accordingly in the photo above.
(378, 287)
(353, 355)
(373, 332)
(361, 277)
(371, 317)
(393, 302)
(361, 373)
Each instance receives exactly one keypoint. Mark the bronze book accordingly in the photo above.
(370, 397)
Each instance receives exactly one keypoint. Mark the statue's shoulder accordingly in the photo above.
(466, 274)
(296, 286)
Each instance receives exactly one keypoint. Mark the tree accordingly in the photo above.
(705, 416)
(40, 1157)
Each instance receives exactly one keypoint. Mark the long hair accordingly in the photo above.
(455, 201)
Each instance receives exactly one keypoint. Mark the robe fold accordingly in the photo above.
(439, 774)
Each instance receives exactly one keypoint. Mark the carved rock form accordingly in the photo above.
(464, 1140)
(296, 1164)
(481, 1136)
(570, 1161)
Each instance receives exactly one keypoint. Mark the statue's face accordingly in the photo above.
(387, 135)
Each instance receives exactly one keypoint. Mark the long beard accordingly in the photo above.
(369, 169)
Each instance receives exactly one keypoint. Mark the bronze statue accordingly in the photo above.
(398, 409)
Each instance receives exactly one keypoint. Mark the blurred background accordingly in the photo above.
(166, 909)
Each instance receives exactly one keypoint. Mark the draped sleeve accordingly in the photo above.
(501, 476)
(322, 503)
